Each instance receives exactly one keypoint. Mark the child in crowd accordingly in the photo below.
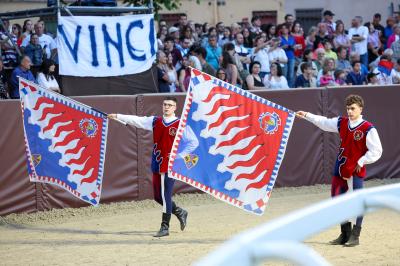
(340, 77)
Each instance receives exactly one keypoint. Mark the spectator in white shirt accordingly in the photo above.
(358, 36)
(46, 77)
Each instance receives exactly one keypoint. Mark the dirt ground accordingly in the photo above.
(121, 233)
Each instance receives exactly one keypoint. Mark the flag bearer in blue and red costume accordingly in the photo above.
(360, 145)
(164, 130)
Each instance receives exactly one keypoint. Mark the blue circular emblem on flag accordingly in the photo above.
(269, 122)
(88, 127)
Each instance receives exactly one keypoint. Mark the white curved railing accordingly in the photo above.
(281, 238)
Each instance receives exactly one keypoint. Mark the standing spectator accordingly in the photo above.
(358, 35)
(342, 63)
(46, 77)
(341, 39)
(241, 51)
(248, 40)
(255, 26)
(374, 43)
(8, 49)
(306, 79)
(27, 28)
(260, 54)
(311, 37)
(228, 64)
(173, 32)
(161, 35)
(23, 71)
(356, 77)
(396, 51)
(276, 80)
(183, 21)
(211, 31)
(288, 44)
(201, 54)
(35, 53)
(183, 45)
(163, 78)
(184, 74)
(3, 83)
(187, 33)
(276, 54)
(289, 19)
(214, 52)
(388, 29)
(271, 31)
(169, 46)
(235, 28)
(328, 20)
(172, 76)
(227, 37)
(16, 32)
(321, 36)
(47, 43)
(220, 30)
(395, 36)
(376, 21)
(253, 80)
(298, 35)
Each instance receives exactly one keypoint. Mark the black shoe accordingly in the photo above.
(344, 235)
(354, 239)
(164, 229)
(181, 214)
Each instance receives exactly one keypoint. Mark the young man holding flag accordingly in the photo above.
(164, 130)
(360, 145)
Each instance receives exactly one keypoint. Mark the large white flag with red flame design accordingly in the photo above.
(230, 142)
(65, 141)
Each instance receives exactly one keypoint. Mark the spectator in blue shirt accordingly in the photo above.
(356, 77)
(23, 71)
(288, 44)
(214, 52)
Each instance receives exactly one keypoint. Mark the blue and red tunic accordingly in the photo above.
(163, 137)
(352, 147)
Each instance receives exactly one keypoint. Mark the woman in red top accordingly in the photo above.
(298, 35)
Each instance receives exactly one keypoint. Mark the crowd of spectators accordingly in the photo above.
(249, 55)
(27, 52)
(267, 56)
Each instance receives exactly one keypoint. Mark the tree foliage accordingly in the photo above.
(158, 4)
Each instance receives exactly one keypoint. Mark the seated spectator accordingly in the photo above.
(320, 55)
(395, 74)
(372, 79)
(355, 57)
(342, 63)
(276, 80)
(35, 53)
(46, 78)
(384, 70)
(221, 74)
(23, 71)
(356, 77)
(340, 77)
(253, 80)
(3, 83)
(328, 68)
(326, 78)
(328, 50)
(201, 54)
(306, 79)
(308, 58)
